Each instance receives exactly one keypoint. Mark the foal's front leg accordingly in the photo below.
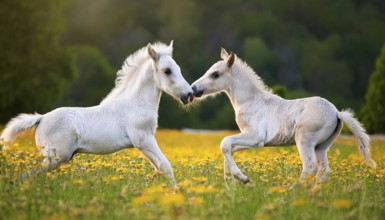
(149, 147)
(230, 145)
(236, 148)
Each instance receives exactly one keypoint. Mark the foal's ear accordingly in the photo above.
(224, 53)
(170, 47)
(152, 53)
(230, 60)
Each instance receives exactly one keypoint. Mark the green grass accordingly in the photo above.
(109, 187)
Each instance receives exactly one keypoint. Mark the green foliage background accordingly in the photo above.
(35, 70)
(67, 52)
(373, 111)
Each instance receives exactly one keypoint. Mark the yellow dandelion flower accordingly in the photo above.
(298, 202)
(122, 169)
(342, 204)
(65, 166)
(105, 164)
(202, 189)
(195, 200)
(140, 200)
(277, 189)
(110, 179)
(153, 190)
(185, 183)
(77, 181)
(199, 179)
(172, 200)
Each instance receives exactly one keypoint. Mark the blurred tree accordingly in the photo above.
(359, 48)
(373, 112)
(94, 81)
(224, 118)
(117, 27)
(260, 24)
(261, 59)
(182, 25)
(321, 72)
(35, 70)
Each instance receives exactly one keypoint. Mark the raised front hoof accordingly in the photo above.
(231, 182)
(246, 181)
(243, 179)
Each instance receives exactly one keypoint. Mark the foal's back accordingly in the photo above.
(284, 119)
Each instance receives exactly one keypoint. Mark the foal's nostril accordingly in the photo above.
(190, 96)
(187, 98)
(197, 93)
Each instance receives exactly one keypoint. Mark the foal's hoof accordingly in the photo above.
(245, 180)
(250, 184)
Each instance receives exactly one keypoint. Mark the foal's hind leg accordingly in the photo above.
(53, 159)
(323, 172)
(58, 148)
(57, 156)
(321, 154)
(306, 149)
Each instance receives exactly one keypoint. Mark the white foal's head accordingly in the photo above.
(217, 78)
(168, 76)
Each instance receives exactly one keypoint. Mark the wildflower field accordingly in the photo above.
(124, 185)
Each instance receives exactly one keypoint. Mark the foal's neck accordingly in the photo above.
(143, 88)
(243, 89)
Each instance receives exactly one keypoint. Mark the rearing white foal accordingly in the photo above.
(266, 119)
(127, 117)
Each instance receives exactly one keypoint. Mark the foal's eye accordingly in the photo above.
(215, 75)
(167, 71)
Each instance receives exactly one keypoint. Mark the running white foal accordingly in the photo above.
(127, 117)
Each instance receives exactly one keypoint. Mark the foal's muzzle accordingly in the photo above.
(197, 92)
(189, 97)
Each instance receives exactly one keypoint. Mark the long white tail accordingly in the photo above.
(18, 124)
(359, 132)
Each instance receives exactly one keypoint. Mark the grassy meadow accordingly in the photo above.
(124, 185)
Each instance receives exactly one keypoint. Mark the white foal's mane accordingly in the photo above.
(130, 66)
(241, 67)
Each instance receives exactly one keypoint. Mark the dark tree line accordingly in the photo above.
(373, 111)
(35, 71)
(318, 47)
